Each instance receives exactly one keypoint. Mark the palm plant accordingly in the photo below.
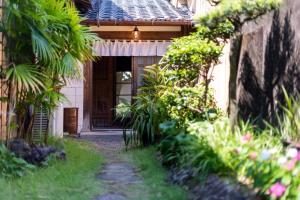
(45, 44)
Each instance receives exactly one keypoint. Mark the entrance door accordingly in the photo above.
(103, 93)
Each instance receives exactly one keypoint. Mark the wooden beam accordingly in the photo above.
(136, 23)
(124, 35)
(131, 28)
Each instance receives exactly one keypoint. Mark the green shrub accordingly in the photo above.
(257, 159)
(185, 104)
(288, 120)
(161, 100)
(11, 166)
(183, 149)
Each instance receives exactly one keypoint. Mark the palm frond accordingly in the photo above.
(42, 45)
(25, 77)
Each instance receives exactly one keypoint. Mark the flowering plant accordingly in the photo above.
(275, 174)
(258, 160)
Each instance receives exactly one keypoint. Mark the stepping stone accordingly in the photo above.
(119, 172)
(110, 197)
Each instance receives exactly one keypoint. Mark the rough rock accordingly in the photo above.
(217, 188)
(119, 173)
(110, 197)
(213, 188)
(180, 176)
(34, 154)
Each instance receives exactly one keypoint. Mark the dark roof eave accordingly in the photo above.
(90, 22)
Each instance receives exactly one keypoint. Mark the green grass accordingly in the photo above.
(154, 175)
(66, 180)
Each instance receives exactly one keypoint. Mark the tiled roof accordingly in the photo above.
(137, 10)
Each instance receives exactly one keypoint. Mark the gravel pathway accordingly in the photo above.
(116, 173)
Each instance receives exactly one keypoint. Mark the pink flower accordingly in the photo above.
(291, 165)
(252, 155)
(237, 150)
(246, 138)
(277, 190)
(298, 156)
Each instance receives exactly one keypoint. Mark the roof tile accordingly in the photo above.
(137, 10)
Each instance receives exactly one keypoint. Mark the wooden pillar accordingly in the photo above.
(87, 96)
(3, 106)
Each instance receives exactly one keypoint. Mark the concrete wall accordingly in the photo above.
(221, 72)
(199, 6)
(74, 93)
(195, 6)
(220, 83)
(268, 60)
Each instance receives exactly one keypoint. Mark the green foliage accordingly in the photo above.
(25, 77)
(258, 160)
(11, 166)
(184, 104)
(158, 101)
(289, 120)
(45, 44)
(192, 135)
(189, 58)
(234, 13)
(146, 112)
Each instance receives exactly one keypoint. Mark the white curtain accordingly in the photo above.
(132, 48)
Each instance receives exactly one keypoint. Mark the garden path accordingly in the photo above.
(116, 174)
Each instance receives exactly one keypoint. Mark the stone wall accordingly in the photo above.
(268, 60)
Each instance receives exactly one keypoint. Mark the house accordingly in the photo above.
(135, 33)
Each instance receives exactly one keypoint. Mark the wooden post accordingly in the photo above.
(3, 105)
(87, 97)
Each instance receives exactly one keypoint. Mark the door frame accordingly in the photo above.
(88, 93)
(88, 87)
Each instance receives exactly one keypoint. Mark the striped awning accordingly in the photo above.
(130, 48)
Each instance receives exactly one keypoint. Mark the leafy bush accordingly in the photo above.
(256, 159)
(184, 104)
(11, 166)
(190, 58)
(163, 99)
(187, 150)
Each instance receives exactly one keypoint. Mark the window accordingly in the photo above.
(123, 80)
